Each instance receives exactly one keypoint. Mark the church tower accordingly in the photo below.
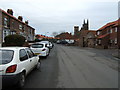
(76, 31)
(85, 25)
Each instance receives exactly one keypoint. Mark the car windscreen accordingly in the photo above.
(37, 46)
(6, 56)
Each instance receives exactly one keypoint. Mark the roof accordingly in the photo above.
(92, 31)
(15, 18)
(114, 23)
(13, 48)
(42, 36)
(102, 36)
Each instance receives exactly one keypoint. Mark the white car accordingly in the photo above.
(15, 64)
(49, 45)
(40, 48)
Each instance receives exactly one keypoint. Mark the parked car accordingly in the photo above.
(15, 64)
(40, 48)
(62, 42)
(49, 44)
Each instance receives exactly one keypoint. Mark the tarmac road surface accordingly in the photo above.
(72, 67)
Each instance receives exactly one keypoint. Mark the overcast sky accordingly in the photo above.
(48, 16)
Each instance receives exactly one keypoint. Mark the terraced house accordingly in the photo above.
(108, 36)
(11, 25)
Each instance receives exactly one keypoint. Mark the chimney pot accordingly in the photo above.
(26, 22)
(10, 11)
(20, 18)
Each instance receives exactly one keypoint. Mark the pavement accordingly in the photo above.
(111, 53)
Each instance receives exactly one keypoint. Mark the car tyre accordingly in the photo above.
(21, 81)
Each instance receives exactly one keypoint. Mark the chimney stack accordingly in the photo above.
(26, 22)
(20, 18)
(10, 11)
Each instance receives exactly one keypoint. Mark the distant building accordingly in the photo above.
(11, 25)
(90, 39)
(108, 36)
(66, 36)
(80, 35)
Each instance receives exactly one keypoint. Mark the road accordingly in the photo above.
(73, 67)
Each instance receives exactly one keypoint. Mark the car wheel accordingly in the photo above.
(21, 81)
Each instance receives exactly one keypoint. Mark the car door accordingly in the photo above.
(31, 57)
(25, 61)
(35, 59)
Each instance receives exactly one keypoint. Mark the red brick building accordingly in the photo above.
(108, 36)
(90, 38)
(11, 25)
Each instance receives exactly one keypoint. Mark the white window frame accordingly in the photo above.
(98, 33)
(116, 29)
(13, 32)
(111, 30)
(5, 22)
(99, 41)
(6, 33)
(20, 27)
(115, 40)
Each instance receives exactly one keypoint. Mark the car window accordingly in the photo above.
(30, 53)
(23, 55)
(6, 56)
(37, 46)
(45, 45)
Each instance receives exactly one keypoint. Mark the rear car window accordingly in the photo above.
(37, 46)
(6, 56)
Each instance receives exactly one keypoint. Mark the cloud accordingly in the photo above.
(54, 15)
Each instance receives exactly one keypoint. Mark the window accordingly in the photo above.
(115, 40)
(21, 33)
(13, 32)
(20, 27)
(111, 41)
(6, 32)
(12, 24)
(5, 22)
(99, 41)
(98, 33)
(6, 56)
(46, 45)
(116, 29)
(111, 30)
(37, 46)
(108, 31)
(23, 55)
(30, 53)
